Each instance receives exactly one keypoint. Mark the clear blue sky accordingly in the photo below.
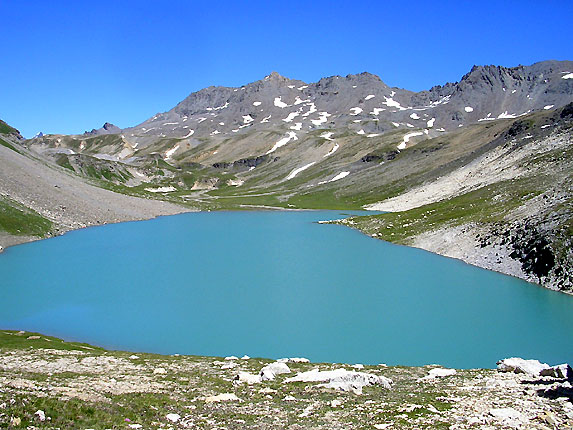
(69, 66)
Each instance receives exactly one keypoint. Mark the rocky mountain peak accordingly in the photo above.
(276, 77)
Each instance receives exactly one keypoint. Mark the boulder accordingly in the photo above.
(509, 417)
(224, 397)
(519, 365)
(342, 379)
(248, 378)
(559, 371)
(173, 417)
(438, 373)
(293, 360)
(270, 371)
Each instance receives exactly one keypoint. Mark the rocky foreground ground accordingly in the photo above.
(48, 383)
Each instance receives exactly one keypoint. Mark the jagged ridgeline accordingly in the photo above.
(487, 158)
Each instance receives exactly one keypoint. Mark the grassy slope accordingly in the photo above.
(19, 220)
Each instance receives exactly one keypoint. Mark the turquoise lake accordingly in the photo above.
(276, 284)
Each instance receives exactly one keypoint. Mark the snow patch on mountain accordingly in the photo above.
(291, 135)
(298, 170)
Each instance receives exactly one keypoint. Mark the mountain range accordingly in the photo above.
(478, 169)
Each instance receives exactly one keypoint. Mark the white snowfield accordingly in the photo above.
(257, 103)
(189, 134)
(161, 190)
(407, 138)
(505, 115)
(369, 96)
(247, 119)
(312, 109)
(266, 119)
(298, 170)
(341, 175)
(298, 101)
(218, 107)
(469, 109)
(376, 111)
(390, 102)
(327, 135)
(567, 76)
(548, 107)
(291, 135)
(291, 116)
(297, 126)
(172, 151)
(430, 122)
(333, 150)
(355, 110)
(414, 116)
(279, 103)
(321, 119)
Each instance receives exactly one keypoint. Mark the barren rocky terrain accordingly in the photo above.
(48, 383)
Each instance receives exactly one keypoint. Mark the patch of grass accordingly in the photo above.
(19, 220)
(488, 204)
(6, 129)
(8, 145)
(10, 339)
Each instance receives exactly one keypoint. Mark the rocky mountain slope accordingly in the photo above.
(346, 142)
(48, 383)
(41, 199)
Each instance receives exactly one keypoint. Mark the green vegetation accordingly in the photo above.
(19, 220)
(18, 340)
(6, 129)
(8, 145)
(489, 204)
(80, 386)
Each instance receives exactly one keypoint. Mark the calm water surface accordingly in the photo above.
(274, 284)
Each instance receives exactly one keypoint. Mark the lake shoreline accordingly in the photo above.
(451, 242)
(47, 380)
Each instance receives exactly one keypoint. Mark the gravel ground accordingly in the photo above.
(122, 389)
(65, 199)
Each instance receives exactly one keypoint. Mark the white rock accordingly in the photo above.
(560, 371)
(294, 359)
(133, 357)
(267, 390)
(358, 366)
(270, 371)
(245, 357)
(335, 403)
(159, 371)
(135, 426)
(382, 426)
(229, 365)
(519, 365)
(40, 414)
(232, 357)
(289, 399)
(173, 417)
(224, 397)
(342, 379)
(508, 416)
(248, 378)
(307, 411)
(438, 373)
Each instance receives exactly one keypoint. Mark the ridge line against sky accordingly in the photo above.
(70, 66)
